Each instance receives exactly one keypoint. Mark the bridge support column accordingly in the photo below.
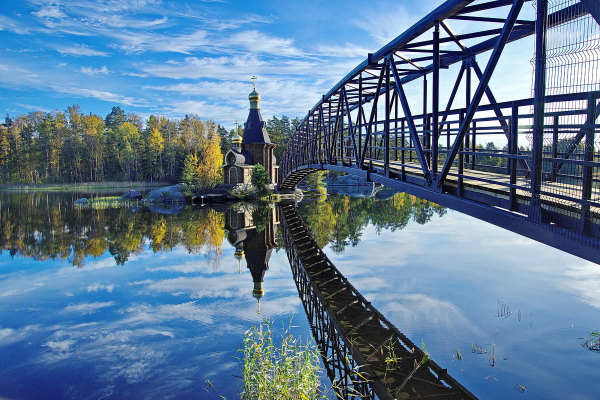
(535, 205)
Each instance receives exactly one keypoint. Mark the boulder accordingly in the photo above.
(132, 195)
(169, 194)
(81, 202)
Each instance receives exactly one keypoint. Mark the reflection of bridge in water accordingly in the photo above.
(365, 355)
(543, 178)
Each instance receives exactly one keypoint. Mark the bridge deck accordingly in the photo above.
(386, 357)
(499, 185)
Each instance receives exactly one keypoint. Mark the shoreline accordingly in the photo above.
(83, 186)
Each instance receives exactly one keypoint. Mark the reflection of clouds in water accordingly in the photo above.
(98, 287)
(112, 351)
(17, 285)
(198, 287)
(88, 308)
(148, 314)
(186, 268)
(584, 280)
(371, 282)
(418, 311)
(136, 336)
(10, 335)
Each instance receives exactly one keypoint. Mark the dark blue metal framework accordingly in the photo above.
(544, 183)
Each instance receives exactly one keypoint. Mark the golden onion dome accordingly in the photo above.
(236, 139)
(254, 96)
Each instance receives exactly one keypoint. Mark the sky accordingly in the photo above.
(178, 57)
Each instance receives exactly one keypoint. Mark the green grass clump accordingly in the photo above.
(288, 371)
(593, 341)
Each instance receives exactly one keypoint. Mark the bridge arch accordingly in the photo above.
(542, 180)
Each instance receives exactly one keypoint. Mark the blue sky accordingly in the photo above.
(187, 57)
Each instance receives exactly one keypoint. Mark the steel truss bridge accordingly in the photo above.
(365, 356)
(386, 121)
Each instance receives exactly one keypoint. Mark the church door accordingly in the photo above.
(233, 175)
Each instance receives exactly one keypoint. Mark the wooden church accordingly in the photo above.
(255, 147)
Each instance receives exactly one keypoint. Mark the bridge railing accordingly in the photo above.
(570, 190)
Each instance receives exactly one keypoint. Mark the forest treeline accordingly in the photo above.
(70, 146)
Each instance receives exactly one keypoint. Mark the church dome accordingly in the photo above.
(236, 139)
(254, 96)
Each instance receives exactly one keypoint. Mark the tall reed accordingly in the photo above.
(286, 370)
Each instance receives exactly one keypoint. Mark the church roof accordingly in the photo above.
(254, 128)
(239, 157)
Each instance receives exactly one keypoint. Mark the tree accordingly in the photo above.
(189, 175)
(260, 179)
(115, 118)
(208, 170)
(155, 146)
(94, 144)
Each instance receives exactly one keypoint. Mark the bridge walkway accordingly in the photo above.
(501, 186)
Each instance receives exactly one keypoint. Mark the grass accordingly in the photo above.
(593, 341)
(290, 370)
(80, 186)
(103, 203)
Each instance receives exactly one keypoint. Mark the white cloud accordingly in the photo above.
(138, 42)
(101, 95)
(257, 42)
(50, 11)
(346, 50)
(95, 71)
(9, 24)
(79, 50)
(123, 5)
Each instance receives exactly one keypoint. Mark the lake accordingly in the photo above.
(108, 302)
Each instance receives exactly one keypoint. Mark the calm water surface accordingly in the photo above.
(132, 303)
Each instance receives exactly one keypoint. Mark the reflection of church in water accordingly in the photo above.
(253, 240)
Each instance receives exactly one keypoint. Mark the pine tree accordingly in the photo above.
(260, 179)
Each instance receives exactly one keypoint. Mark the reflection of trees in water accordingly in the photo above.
(339, 220)
(47, 226)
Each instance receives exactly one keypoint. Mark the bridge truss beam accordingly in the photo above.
(546, 176)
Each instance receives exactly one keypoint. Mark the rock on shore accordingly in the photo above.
(169, 194)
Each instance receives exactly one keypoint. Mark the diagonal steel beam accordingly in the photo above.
(593, 6)
(578, 138)
(350, 126)
(373, 113)
(453, 35)
(481, 88)
(411, 123)
(492, 99)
